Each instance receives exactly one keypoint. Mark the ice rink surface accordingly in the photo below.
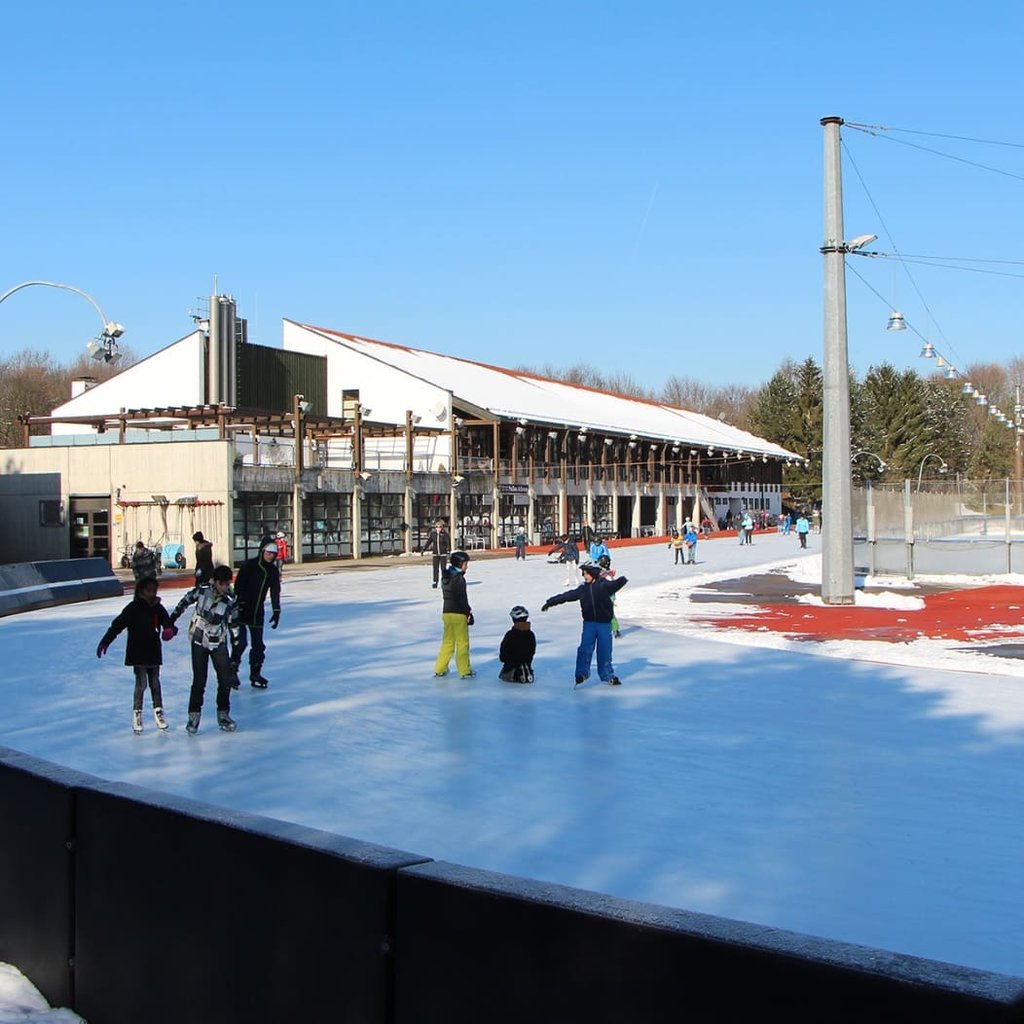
(811, 787)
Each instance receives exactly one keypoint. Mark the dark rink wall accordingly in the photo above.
(130, 905)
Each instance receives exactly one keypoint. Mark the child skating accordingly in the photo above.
(213, 622)
(146, 620)
(595, 598)
(518, 646)
(456, 618)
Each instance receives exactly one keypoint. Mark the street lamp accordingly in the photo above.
(942, 468)
(104, 346)
(870, 455)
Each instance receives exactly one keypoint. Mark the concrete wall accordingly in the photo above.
(131, 906)
(135, 472)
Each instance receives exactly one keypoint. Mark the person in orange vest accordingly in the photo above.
(282, 549)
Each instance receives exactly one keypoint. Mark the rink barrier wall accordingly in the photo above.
(129, 905)
(25, 586)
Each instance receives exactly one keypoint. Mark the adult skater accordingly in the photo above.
(690, 540)
(213, 621)
(518, 646)
(748, 529)
(595, 597)
(204, 558)
(145, 562)
(146, 620)
(439, 545)
(256, 578)
(456, 618)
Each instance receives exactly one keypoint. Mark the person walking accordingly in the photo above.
(204, 558)
(518, 646)
(519, 539)
(439, 545)
(146, 621)
(145, 563)
(595, 598)
(257, 578)
(456, 618)
(803, 527)
(213, 621)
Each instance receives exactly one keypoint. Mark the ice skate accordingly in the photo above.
(580, 679)
(258, 681)
(192, 726)
(614, 681)
(136, 722)
(225, 722)
(158, 717)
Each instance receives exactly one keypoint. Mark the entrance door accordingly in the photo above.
(90, 527)
(625, 516)
(648, 517)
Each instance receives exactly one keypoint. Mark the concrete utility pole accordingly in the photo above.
(837, 584)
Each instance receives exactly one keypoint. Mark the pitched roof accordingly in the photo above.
(518, 394)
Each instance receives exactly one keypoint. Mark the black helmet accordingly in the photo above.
(458, 559)
(519, 614)
(605, 562)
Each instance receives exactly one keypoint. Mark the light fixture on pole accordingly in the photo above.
(870, 455)
(927, 350)
(896, 322)
(967, 389)
(104, 346)
(943, 467)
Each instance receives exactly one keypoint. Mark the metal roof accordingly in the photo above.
(517, 394)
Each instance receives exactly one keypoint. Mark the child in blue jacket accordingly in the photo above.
(595, 597)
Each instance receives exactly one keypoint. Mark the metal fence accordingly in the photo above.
(968, 527)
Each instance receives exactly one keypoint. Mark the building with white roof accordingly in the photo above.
(365, 444)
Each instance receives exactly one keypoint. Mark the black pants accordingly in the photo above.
(439, 561)
(147, 675)
(201, 658)
(257, 652)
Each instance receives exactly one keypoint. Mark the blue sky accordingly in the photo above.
(634, 185)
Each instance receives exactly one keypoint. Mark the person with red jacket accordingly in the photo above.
(282, 549)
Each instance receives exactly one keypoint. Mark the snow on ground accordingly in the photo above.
(21, 1003)
(733, 773)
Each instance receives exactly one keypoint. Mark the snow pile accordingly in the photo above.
(869, 600)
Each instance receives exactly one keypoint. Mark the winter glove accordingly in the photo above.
(275, 618)
(545, 607)
(169, 632)
(469, 619)
(101, 649)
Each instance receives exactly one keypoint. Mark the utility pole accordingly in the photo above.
(837, 584)
(1018, 451)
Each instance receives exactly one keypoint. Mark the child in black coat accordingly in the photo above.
(518, 647)
(146, 620)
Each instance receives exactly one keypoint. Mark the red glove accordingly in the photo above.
(169, 633)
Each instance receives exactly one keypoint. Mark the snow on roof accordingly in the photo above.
(518, 394)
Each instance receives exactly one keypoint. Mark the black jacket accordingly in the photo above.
(255, 579)
(518, 647)
(595, 599)
(453, 590)
(438, 543)
(204, 560)
(143, 622)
